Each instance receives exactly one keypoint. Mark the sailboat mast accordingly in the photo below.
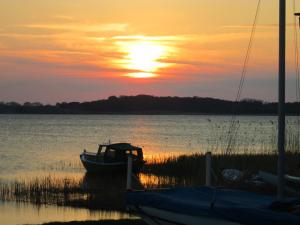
(281, 101)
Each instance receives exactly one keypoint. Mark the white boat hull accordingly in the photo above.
(154, 216)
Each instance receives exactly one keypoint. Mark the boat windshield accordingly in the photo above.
(99, 149)
(135, 153)
(111, 153)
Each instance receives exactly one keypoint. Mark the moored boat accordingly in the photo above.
(211, 206)
(112, 158)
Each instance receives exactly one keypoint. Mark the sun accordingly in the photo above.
(144, 57)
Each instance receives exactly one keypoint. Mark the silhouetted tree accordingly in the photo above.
(147, 104)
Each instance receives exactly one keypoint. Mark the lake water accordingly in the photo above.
(21, 213)
(36, 145)
(35, 142)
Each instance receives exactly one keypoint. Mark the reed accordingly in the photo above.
(251, 137)
(40, 190)
(190, 169)
(73, 166)
(89, 192)
(108, 192)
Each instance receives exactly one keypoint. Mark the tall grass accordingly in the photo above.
(108, 192)
(41, 190)
(251, 137)
(93, 192)
(191, 168)
(75, 165)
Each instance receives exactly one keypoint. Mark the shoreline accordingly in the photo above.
(103, 222)
(154, 114)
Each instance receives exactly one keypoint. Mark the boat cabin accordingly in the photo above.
(113, 157)
(119, 152)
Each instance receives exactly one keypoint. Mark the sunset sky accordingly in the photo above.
(82, 50)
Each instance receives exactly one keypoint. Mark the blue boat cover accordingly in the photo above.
(229, 204)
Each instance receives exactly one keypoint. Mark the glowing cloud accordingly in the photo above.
(78, 27)
(143, 56)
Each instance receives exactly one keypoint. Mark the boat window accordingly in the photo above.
(134, 153)
(111, 153)
(99, 150)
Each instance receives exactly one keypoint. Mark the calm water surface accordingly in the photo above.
(21, 213)
(38, 142)
(39, 145)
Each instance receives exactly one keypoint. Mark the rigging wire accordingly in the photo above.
(297, 72)
(232, 132)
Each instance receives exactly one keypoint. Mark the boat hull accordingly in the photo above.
(210, 206)
(154, 216)
(102, 167)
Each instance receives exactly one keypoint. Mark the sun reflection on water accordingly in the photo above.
(152, 181)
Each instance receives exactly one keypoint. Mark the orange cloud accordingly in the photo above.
(78, 27)
(107, 48)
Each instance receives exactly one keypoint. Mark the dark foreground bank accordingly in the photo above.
(104, 222)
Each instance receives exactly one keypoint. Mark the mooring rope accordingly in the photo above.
(232, 132)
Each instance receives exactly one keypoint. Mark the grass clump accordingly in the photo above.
(190, 169)
(93, 192)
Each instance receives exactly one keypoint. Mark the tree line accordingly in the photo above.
(147, 104)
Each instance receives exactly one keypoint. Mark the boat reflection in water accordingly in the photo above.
(105, 191)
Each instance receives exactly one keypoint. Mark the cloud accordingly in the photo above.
(92, 50)
(151, 38)
(63, 18)
(82, 27)
(57, 62)
(258, 26)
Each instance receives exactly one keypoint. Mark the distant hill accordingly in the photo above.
(146, 104)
